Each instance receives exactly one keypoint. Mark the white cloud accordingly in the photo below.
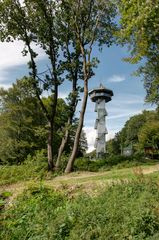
(5, 86)
(117, 78)
(91, 136)
(110, 135)
(63, 95)
(11, 57)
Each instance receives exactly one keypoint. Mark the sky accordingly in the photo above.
(112, 72)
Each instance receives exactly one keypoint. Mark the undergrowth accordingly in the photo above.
(124, 211)
(36, 167)
(112, 162)
(33, 168)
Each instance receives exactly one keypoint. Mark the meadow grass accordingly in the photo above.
(121, 211)
(36, 169)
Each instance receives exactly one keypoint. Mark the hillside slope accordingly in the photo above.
(88, 182)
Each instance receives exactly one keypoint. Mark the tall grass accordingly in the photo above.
(127, 211)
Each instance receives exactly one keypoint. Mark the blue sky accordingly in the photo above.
(112, 72)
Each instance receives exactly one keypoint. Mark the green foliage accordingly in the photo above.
(23, 126)
(94, 22)
(149, 135)
(137, 132)
(66, 32)
(121, 212)
(113, 146)
(20, 118)
(82, 146)
(35, 167)
(139, 29)
(35, 215)
(125, 211)
(114, 161)
(85, 164)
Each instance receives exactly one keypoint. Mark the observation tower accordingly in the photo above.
(100, 96)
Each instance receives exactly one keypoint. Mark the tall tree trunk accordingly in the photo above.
(51, 131)
(66, 135)
(50, 147)
(62, 146)
(79, 129)
(73, 105)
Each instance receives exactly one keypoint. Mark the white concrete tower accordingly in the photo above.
(100, 96)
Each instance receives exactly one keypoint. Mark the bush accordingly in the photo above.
(116, 161)
(85, 164)
(33, 168)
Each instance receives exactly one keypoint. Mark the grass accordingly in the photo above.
(114, 174)
(116, 204)
(36, 169)
(155, 176)
(121, 211)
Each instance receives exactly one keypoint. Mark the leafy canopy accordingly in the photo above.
(139, 29)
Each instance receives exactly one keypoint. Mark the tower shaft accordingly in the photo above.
(101, 128)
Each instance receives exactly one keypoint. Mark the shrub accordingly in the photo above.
(117, 161)
(85, 164)
(33, 168)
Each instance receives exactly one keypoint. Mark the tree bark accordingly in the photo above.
(50, 148)
(61, 149)
(66, 135)
(50, 142)
(79, 129)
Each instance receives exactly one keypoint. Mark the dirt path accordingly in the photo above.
(74, 182)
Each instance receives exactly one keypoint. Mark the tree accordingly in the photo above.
(149, 136)
(74, 71)
(38, 25)
(134, 131)
(91, 23)
(23, 128)
(132, 128)
(113, 146)
(129, 133)
(139, 29)
(83, 146)
(20, 119)
(45, 24)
